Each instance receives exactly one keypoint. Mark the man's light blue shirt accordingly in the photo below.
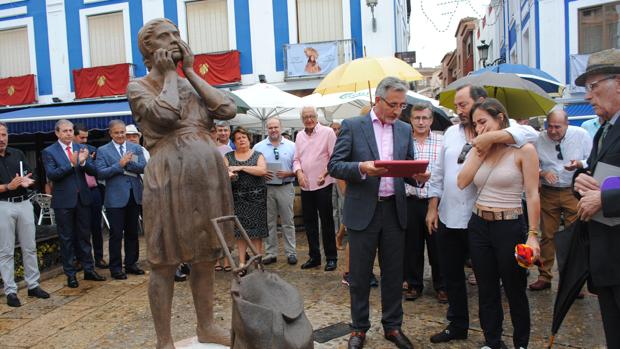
(285, 151)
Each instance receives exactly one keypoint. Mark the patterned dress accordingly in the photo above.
(250, 198)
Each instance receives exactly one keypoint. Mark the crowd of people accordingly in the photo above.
(490, 185)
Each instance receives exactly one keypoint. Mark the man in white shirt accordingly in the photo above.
(450, 216)
(561, 149)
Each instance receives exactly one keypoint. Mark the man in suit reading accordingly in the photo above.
(65, 164)
(602, 83)
(375, 208)
(120, 164)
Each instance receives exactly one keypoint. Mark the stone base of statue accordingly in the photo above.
(192, 343)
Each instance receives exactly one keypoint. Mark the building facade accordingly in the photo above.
(462, 60)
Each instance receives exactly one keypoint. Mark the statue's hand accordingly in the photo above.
(163, 61)
(188, 55)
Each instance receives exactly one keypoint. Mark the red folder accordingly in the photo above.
(402, 168)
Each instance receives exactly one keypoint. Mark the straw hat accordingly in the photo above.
(602, 62)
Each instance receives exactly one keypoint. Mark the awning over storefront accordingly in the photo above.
(42, 119)
(579, 109)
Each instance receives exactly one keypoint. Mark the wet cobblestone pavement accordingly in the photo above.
(115, 313)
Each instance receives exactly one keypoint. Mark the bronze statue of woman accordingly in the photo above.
(186, 182)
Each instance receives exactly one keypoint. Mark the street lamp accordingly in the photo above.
(483, 52)
(372, 4)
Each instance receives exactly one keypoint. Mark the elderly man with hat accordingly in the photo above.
(133, 136)
(602, 83)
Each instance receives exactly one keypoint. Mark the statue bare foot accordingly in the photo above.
(213, 333)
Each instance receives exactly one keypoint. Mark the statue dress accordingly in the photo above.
(186, 182)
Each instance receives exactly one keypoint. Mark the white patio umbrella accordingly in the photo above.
(266, 101)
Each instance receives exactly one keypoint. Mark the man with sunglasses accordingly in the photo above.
(561, 149)
(279, 152)
(449, 217)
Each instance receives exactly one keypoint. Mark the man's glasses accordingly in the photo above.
(591, 86)
(559, 150)
(466, 148)
(276, 153)
(421, 118)
(394, 105)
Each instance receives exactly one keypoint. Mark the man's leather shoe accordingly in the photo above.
(356, 341)
(269, 260)
(331, 265)
(38, 292)
(72, 282)
(93, 276)
(134, 269)
(447, 335)
(540, 285)
(119, 275)
(12, 300)
(179, 276)
(292, 260)
(442, 297)
(101, 264)
(399, 339)
(310, 263)
(412, 294)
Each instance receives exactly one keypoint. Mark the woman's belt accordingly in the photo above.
(503, 215)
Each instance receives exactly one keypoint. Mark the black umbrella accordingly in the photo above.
(572, 252)
(441, 120)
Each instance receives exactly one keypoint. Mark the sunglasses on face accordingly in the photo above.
(466, 148)
(559, 150)
(276, 153)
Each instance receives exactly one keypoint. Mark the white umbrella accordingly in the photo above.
(266, 101)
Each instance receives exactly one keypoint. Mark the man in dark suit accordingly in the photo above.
(375, 208)
(120, 164)
(602, 82)
(65, 164)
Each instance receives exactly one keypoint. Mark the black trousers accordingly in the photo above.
(95, 223)
(319, 201)
(385, 234)
(123, 224)
(453, 245)
(416, 237)
(492, 247)
(73, 225)
(609, 302)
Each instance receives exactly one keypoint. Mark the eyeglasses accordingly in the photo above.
(559, 150)
(276, 153)
(466, 148)
(421, 118)
(394, 105)
(591, 86)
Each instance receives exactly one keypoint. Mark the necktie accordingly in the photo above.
(121, 150)
(606, 129)
(69, 153)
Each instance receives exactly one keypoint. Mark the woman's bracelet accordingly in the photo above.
(533, 232)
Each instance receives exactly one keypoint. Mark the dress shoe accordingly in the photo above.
(101, 264)
(331, 265)
(447, 335)
(399, 339)
(72, 282)
(442, 297)
(134, 269)
(12, 300)
(412, 294)
(93, 276)
(373, 281)
(269, 260)
(119, 275)
(356, 341)
(38, 292)
(292, 260)
(310, 263)
(179, 276)
(187, 269)
(540, 285)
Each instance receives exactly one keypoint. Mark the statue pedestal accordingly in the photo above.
(192, 343)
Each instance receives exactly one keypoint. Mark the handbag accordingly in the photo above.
(267, 311)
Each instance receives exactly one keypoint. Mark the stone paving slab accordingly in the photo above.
(116, 314)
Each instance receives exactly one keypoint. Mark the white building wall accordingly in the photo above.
(263, 44)
(59, 57)
(552, 38)
(152, 9)
(383, 41)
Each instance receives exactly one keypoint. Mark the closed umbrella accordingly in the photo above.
(543, 79)
(522, 99)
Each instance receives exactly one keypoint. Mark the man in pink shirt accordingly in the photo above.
(313, 148)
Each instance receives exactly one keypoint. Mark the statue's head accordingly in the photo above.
(158, 33)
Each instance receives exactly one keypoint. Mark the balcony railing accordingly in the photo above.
(316, 59)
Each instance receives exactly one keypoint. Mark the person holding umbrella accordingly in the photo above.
(602, 83)
(501, 175)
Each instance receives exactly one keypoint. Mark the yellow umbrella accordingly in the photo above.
(365, 73)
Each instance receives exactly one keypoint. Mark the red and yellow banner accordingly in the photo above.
(217, 68)
(108, 80)
(17, 90)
